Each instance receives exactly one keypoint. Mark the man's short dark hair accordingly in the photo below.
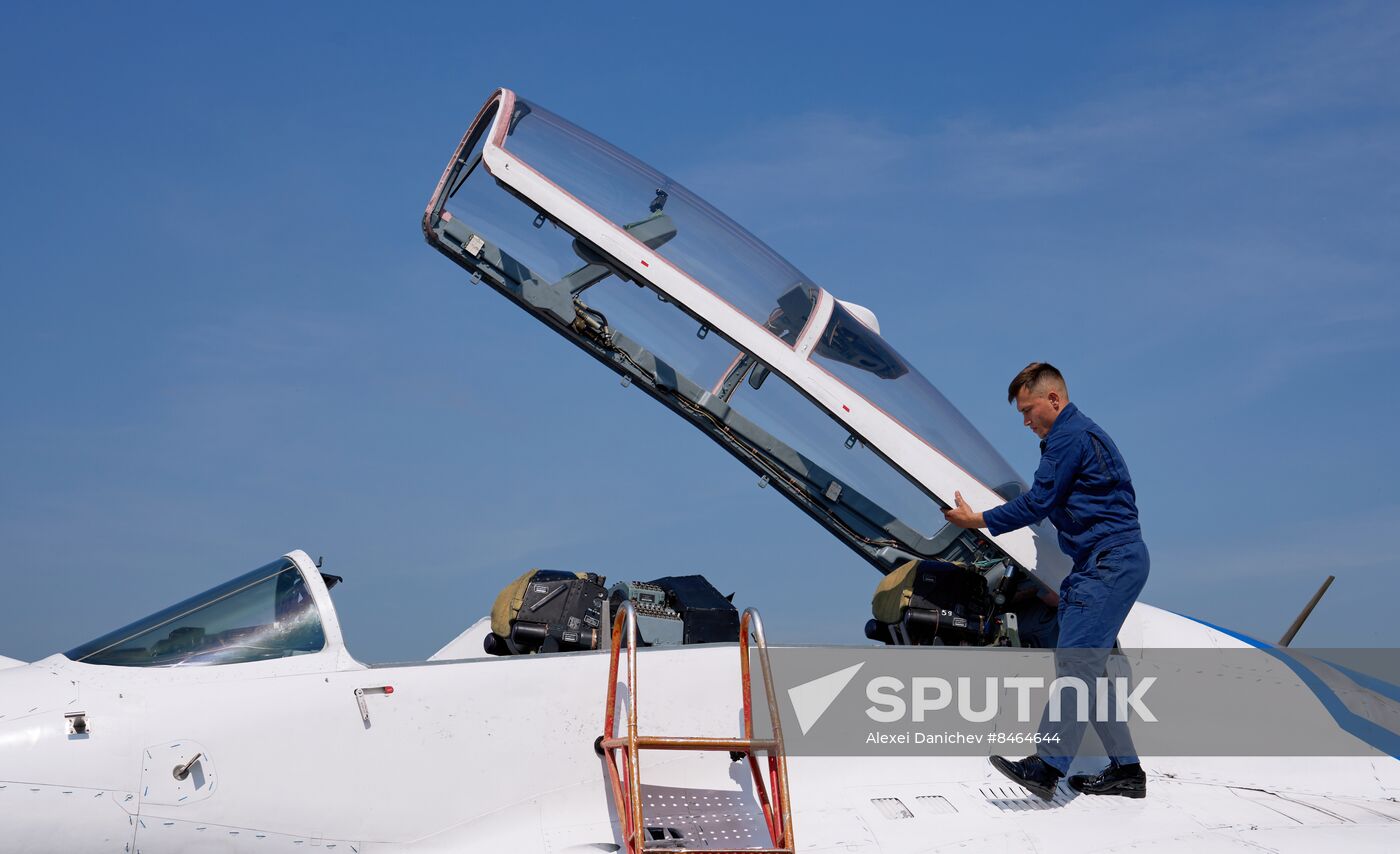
(1032, 377)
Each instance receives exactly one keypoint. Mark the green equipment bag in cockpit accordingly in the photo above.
(933, 601)
(892, 595)
(547, 610)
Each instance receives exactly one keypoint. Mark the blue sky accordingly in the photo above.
(222, 335)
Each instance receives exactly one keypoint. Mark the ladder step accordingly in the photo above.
(658, 742)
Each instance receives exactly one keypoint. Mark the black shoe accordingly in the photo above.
(1032, 772)
(1126, 781)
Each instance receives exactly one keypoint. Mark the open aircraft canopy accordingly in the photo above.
(676, 297)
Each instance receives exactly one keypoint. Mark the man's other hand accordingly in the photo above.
(962, 515)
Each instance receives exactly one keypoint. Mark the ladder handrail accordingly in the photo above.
(780, 825)
(777, 817)
(633, 828)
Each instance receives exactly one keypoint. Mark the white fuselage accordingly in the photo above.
(497, 754)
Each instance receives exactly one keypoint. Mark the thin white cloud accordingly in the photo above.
(1245, 207)
(1327, 60)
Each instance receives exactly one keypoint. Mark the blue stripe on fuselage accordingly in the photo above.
(1367, 730)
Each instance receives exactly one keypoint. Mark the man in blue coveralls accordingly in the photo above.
(1083, 486)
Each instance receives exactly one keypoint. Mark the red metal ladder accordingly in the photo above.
(625, 777)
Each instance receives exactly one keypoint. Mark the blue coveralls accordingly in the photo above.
(1083, 486)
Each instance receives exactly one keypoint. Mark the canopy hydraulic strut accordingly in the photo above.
(624, 775)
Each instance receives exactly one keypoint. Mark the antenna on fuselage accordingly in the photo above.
(1307, 612)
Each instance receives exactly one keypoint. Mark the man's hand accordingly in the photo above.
(962, 515)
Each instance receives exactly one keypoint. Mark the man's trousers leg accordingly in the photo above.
(1094, 601)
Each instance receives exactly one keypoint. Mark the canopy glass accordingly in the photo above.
(521, 245)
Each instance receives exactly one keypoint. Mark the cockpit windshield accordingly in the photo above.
(267, 613)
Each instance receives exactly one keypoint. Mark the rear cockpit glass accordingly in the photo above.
(719, 254)
(708, 246)
(857, 356)
(507, 239)
(718, 386)
(734, 393)
(265, 614)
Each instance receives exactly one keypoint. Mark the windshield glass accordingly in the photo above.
(267, 613)
(707, 246)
